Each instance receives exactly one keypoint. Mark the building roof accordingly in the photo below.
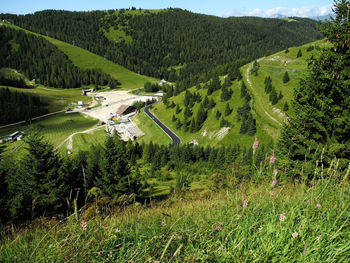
(123, 108)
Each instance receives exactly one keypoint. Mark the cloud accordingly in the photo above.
(305, 11)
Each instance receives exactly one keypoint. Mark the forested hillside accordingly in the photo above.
(18, 106)
(40, 60)
(173, 44)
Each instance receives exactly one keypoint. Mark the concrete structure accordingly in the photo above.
(86, 91)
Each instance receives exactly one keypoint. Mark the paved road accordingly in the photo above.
(173, 136)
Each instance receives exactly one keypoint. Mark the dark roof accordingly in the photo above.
(123, 108)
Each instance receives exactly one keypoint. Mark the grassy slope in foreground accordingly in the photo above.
(294, 224)
(87, 60)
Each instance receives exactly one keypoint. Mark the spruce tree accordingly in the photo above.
(285, 106)
(35, 188)
(227, 109)
(299, 53)
(322, 100)
(286, 77)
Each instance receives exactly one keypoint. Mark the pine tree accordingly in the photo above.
(227, 109)
(299, 53)
(114, 168)
(286, 77)
(322, 100)
(218, 114)
(35, 188)
(178, 110)
(285, 107)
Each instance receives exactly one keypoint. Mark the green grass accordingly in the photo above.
(201, 227)
(56, 129)
(211, 125)
(275, 66)
(152, 132)
(87, 60)
(83, 141)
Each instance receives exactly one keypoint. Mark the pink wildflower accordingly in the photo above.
(99, 253)
(272, 159)
(318, 205)
(295, 234)
(83, 224)
(319, 238)
(221, 223)
(302, 226)
(256, 143)
(239, 216)
(282, 217)
(272, 192)
(245, 203)
(274, 182)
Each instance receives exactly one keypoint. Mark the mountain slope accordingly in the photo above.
(155, 43)
(269, 118)
(86, 60)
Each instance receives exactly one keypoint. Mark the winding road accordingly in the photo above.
(176, 140)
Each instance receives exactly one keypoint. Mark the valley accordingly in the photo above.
(165, 135)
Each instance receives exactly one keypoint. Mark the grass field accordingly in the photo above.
(56, 129)
(152, 132)
(245, 223)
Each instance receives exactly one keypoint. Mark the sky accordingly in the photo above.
(222, 8)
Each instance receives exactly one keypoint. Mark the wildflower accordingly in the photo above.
(260, 228)
(221, 223)
(239, 216)
(282, 217)
(272, 192)
(163, 223)
(318, 205)
(274, 182)
(117, 230)
(256, 143)
(250, 252)
(302, 226)
(319, 238)
(295, 234)
(245, 203)
(272, 159)
(99, 253)
(83, 224)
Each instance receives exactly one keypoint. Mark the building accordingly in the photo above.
(126, 110)
(13, 136)
(80, 103)
(86, 91)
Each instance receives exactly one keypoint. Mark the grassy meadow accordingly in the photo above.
(267, 222)
(152, 132)
(56, 129)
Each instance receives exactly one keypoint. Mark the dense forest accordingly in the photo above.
(173, 44)
(42, 182)
(18, 106)
(40, 60)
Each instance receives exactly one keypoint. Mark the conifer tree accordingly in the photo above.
(36, 187)
(322, 99)
(299, 53)
(227, 109)
(286, 77)
(285, 106)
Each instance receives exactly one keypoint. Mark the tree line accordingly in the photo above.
(18, 106)
(40, 60)
(203, 46)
